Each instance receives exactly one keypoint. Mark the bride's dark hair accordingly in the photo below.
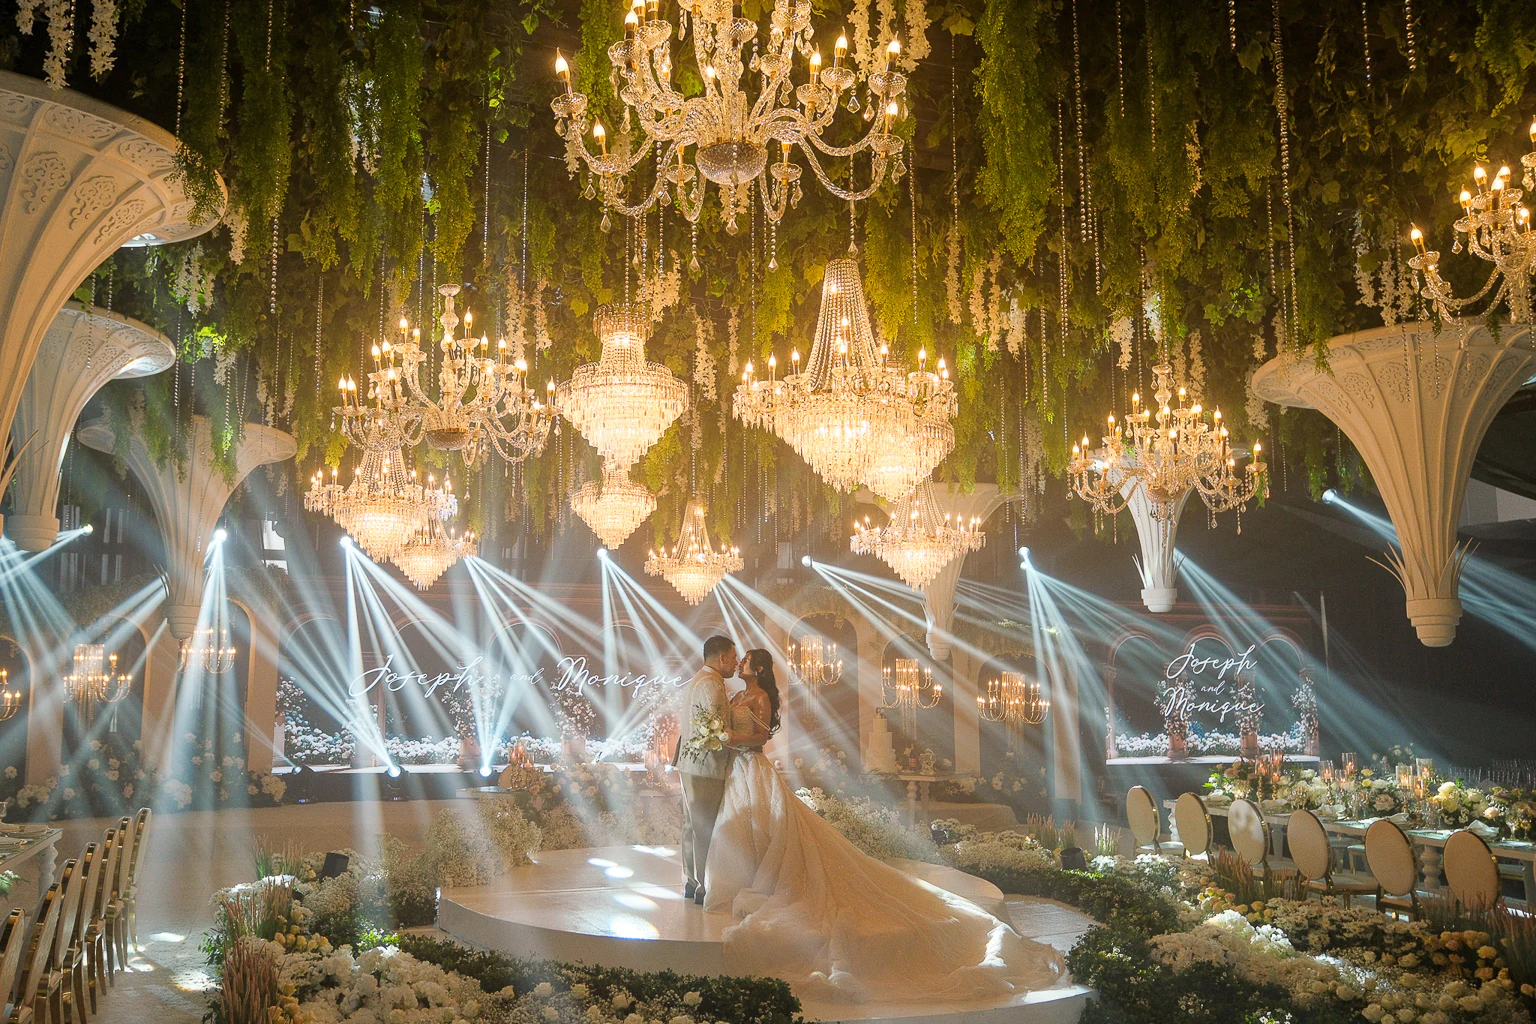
(762, 664)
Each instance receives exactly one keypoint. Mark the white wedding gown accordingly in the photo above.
(839, 925)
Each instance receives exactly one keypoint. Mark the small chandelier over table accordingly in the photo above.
(10, 700)
(815, 660)
(907, 686)
(731, 130)
(1166, 452)
(384, 506)
(1495, 226)
(613, 507)
(918, 541)
(1013, 699)
(622, 404)
(210, 648)
(95, 680)
(693, 565)
(855, 419)
(432, 550)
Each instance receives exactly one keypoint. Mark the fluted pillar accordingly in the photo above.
(78, 179)
(84, 348)
(1416, 405)
(188, 500)
(1159, 571)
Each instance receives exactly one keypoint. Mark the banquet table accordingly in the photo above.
(1428, 841)
(34, 860)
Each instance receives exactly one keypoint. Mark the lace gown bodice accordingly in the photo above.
(839, 925)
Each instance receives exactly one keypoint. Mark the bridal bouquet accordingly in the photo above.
(707, 736)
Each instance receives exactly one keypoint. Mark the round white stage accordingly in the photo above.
(623, 906)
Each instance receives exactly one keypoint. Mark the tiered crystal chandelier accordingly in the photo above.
(433, 549)
(613, 507)
(853, 418)
(694, 566)
(732, 131)
(918, 541)
(95, 680)
(815, 660)
(1014, 700)
(210, 648)
(1495, 226)
(622, 404)
(483, 399)
(1167, 453)
(384, 506)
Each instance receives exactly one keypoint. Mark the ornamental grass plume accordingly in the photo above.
(250, 983)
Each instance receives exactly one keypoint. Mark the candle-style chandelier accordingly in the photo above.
(210, 648)
(10, 700)
(432, 550)
(855, 419)
(730, 129)
(483, 400)
(907, 686)
(1013, 699)
(1167, 452)
(1495, 226)
(384, 506)
(814, 660)
(614, 507)
(94, 680)
(622, 404)
(693, 565)
(918, 541)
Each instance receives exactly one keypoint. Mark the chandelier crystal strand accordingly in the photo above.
(431, 551)
(694, 565)
(1166, 451)
(734, 134)
(613, 507)
(918, 541)
(908, 686)
(1495, 226)
(815, 661)
(209, 647)
(854, 419)
(622, 404)
(1014, 700)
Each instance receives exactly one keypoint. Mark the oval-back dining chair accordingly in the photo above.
(1471, 872)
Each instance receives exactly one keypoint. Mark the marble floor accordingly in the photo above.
(195, 853)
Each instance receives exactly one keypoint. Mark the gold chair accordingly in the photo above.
(55, 982)
(31, 995)
(1314, 857)
(1194, 825)
(1471, 872)
(1145, 822)
(117, 915)
(13, 941)
(1390, 857)
(73, 958)
(131, 896)
(98, 950)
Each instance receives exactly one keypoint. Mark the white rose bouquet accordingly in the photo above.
(709, 735)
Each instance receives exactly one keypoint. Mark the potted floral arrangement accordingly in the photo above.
(1459, 805)
(576, 716)
(1378, 796)
(1518, 807)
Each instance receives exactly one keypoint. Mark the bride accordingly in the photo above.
(837, 924)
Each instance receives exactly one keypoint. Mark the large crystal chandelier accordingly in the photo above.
(918, 542)
(1495, 226)
(731, 130)
(210, 648)
(1167, 453)
(482, 401)
(694, 566)
(384, 506)
(94, 680)
(908, 687)
(432, 550)
(814, 660)
(613, 506)
(855, 419)
(622, 404)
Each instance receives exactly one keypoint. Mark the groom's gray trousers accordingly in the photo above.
(702, 796)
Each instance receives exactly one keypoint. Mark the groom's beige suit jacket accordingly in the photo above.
(706, 691)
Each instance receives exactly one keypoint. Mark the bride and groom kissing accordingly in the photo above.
(809, 906)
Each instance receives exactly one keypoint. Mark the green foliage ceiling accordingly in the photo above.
(1093, 180)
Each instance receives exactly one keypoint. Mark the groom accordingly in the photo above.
(703, 774)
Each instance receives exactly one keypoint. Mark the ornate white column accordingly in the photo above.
(188, 500)
(86, 347)
(939, 596)
(1159, 572)
(78, 179)
(260, 690)
(1416, 405)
